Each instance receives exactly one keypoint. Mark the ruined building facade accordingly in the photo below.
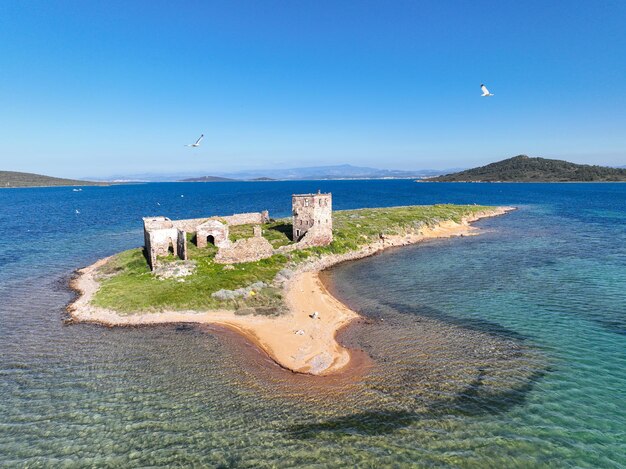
(212, 232)
(312, 218)
(162, 238)
(312, 226)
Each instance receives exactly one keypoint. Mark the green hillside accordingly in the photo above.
(523, 168)
(16, 179)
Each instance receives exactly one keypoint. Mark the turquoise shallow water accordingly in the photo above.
(507, 349)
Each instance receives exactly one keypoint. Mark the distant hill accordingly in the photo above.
(344, 171)
(207, 179)
(16, 179)
(523, 168)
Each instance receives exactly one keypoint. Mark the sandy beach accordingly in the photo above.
(296, 341)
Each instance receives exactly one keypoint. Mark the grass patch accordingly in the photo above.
(278, 233)
(127, 285)
(355, 228)
(194, 252)
(238, 232)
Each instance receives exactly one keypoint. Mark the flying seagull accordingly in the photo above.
(485, 91)
(197, 144)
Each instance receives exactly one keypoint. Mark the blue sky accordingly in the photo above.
(101, 88)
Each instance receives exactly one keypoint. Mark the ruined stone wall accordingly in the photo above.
(322, 232)
(245, 250)
(160, 242)
(216, 229)
(253, 218)
(181, 245)
(147, 248)
(190, 225)
(302, 211)
(160, 236)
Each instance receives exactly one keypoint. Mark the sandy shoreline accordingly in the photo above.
(314, 349)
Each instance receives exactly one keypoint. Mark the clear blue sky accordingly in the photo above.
(101, 88)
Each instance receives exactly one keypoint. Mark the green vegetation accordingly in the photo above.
(193, 252)
(15, 179)
(127, 285)
(355, 228)
(278, 233)
(525, 169)
(241, 232)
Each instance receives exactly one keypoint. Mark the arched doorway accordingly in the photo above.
(212, 232)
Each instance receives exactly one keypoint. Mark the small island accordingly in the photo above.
(522, 168)
(207, 179)
(256, 275)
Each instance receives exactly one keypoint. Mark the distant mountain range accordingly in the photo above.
(344, 171)
(17, 179)
(520, 168)
(523, 168)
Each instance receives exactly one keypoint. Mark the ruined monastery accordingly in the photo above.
(311, 219)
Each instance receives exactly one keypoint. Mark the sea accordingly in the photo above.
(506, 349)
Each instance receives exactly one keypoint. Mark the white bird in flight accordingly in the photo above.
(197, 144)
(485, 91)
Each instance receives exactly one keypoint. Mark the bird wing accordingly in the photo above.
(201, 137)
(485, 90)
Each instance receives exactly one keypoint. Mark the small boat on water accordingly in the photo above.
(77, 189)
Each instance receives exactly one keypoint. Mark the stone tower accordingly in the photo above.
(313, 217)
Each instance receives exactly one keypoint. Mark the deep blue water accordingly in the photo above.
(506, 349)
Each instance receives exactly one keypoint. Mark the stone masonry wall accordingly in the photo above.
(302, 220)
(245, 250)
(312, 216)
(190, 225)
(215, 228)
(253, 218)
(159, 243)
(181, 245)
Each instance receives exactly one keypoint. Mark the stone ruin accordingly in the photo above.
(311, 219)
(162, 238)
(214, 232)
(246, 249)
